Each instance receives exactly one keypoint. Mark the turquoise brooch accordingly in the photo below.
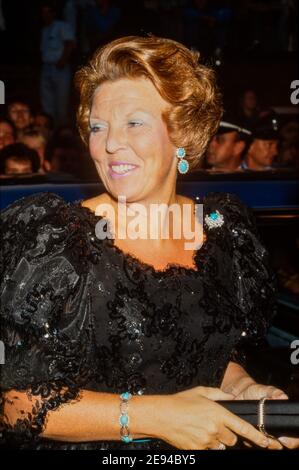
(214, 219)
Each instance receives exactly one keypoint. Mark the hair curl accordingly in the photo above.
(188, 86)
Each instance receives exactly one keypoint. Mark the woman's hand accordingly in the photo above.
(192, 420)
(255, 391)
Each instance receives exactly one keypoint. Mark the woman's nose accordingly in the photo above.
(115, 140)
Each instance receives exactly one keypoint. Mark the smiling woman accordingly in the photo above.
(186, 87)
(129, 142)
(136, 338)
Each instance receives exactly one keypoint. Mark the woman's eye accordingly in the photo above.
(135, 123)
(96, 128)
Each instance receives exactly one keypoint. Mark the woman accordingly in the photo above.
(87, 318)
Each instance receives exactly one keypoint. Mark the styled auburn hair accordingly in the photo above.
(188, 86)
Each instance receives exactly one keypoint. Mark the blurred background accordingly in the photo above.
(252, 45)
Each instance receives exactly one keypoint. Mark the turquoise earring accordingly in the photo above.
(183, 165)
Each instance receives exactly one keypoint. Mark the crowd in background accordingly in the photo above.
(31, 145)
(252, 139)
(42, 139)
(211, 25)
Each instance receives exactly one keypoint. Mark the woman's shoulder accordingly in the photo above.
(44, 224)
(23, 220)
(38, 207)
(32, 207)
(224, 199)
(228, 210)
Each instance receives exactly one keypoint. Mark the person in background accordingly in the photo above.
(35, 140)
(20, 113)
(57, 44)
(264, 146)
(7, 133)
(63, 154)
(227, 146)
(288, 156)
(44, 123)
(17, 159)
(70, 14)
(250, 110)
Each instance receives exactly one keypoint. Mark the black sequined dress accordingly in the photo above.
(78, 313)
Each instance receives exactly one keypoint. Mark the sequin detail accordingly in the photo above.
(77, 312)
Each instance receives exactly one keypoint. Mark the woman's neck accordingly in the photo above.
(155, 218)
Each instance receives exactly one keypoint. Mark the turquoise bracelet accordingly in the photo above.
(124, 420)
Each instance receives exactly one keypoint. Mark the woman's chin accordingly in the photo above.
(130, 193)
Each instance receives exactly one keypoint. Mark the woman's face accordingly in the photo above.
(129, 142)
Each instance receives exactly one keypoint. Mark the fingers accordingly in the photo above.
(289, 442)
(276, 393)
(227, 437)
(274, 444)
(258, 391)
(218, 446)
(246, 430)
(250, 433)
(215, 393)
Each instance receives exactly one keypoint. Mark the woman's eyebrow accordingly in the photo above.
(137, 110)
(95, 117)
(133, 111)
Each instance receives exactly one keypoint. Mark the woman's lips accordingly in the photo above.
(121, 169)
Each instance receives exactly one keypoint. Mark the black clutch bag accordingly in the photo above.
(274, 417)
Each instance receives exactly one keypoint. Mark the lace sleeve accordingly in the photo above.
(44, 312)
(253, 283)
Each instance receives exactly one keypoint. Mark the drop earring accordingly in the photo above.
(183, 165)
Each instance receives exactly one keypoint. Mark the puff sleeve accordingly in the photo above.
(44, 308)
(252, 282)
